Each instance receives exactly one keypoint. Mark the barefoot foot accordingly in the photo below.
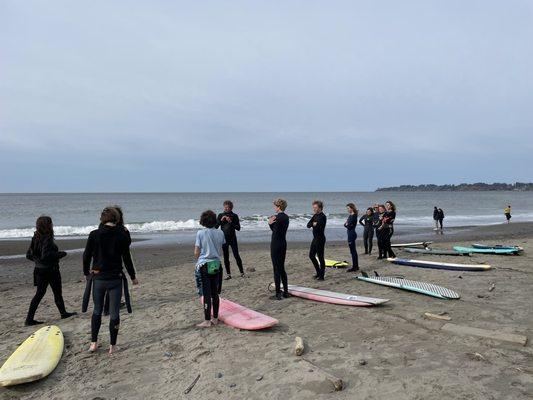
(214, 321)
(112, 349)
(93, 347)
(205, 324)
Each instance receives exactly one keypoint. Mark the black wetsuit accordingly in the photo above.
(368, 234)
(391, 215)
(46, 255)
(318, 223)
(229, 229)
(107, 248)
(440, 217)
(351, 224)
(383, 232)
(278, 250)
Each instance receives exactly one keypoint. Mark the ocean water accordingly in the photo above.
(176, 214)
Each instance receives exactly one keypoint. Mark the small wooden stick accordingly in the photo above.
(337, 383)
(299, 346)
(192, 385)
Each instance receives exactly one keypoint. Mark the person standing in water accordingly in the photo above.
(440, 217)
(279, 224)
(106, 252)
(367, 221)
(229, 223)
(44, 252)
(436, 218)
(350, 225)
(318, 244)
(507, 212)
(209, 242)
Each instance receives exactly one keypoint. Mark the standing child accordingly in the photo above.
(350, 225)
(229, 223)
(367, 221)
(279, 223)
(507, 212)
(207, 248)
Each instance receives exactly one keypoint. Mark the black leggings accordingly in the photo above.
(353, 252)
(235, 249)
(368, 236)
(277, 254)
(317, 250)
(100, 288)
(210, 292)
(42, 277)
(384, 244)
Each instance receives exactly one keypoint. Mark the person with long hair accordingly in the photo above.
(44, 252)
(383, 233)
(390, 214)
(367, 220)
(350, 225)
(207, 249)
(318, 224)
(106, 252)
(279, 223)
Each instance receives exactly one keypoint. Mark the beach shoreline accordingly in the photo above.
(379, 352)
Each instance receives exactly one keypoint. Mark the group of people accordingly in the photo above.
(107, 252)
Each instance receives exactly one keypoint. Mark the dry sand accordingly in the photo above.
(385, 352)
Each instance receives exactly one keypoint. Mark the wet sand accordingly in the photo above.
(380, 352)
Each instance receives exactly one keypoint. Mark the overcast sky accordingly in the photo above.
(263, 96)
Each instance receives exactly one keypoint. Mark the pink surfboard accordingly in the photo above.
(240, 317)
(326, 296)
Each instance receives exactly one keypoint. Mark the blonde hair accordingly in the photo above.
(281, 203)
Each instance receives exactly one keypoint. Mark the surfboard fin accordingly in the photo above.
(364, 274)
(375, 273)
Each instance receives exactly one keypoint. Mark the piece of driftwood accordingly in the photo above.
(441, 317)
(189, 388)
(299, 346)
(496, 335)
(337, 382)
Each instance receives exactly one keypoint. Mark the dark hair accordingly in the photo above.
(228, 203)
(370, 209)
(352, 207)
(208, 219)
(120, 215)
(381, 206)
(110, 215)
(319, 204)
(392, 205)
(44, 227)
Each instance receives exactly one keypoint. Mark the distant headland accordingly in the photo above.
(462, 187)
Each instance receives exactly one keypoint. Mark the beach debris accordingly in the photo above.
(232, 385)
(337, 382)
(485, 333)
(481, 296)
(341, 345)
(250, 269)
(475, 356)
(259, 378)
(189, 388)
(362, 362)
(299, 346)
(167, 354)
(218, 375)
(492, 287)
(442, 316)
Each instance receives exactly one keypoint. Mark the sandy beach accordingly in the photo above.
(379, 352)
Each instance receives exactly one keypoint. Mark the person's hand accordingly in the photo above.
(135, 281)
(271, 220)
(314, 223)
(228, 219)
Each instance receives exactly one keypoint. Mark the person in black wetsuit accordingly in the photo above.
(318, 224)
(383, 229)
(279, 224)
(44, 252)
(107, 248)
(350, 225)
(436, 218)
(440, 217)
(229, 223)
(390, 208)
(367, 221)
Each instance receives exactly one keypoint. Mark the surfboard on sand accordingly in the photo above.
(435, 252)
(35, 358)
(336, 264)
(414, 244)
(325, 296)
(487, 251)
(496, 246)
(240, 317)
(428, 289)
(439, 265)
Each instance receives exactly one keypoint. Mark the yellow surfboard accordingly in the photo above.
(336, 264)
(35, 358)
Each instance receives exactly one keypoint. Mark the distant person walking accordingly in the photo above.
(229, 223)
(440, 217)
(507, 212)
(45, 254)
(436, 218)
(351, 224)
(318, 244)
(279, 224)
(367, 220)
(209, 242)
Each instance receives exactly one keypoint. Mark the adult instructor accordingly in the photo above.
(279, 223)
(229, 223)
(318, 224)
